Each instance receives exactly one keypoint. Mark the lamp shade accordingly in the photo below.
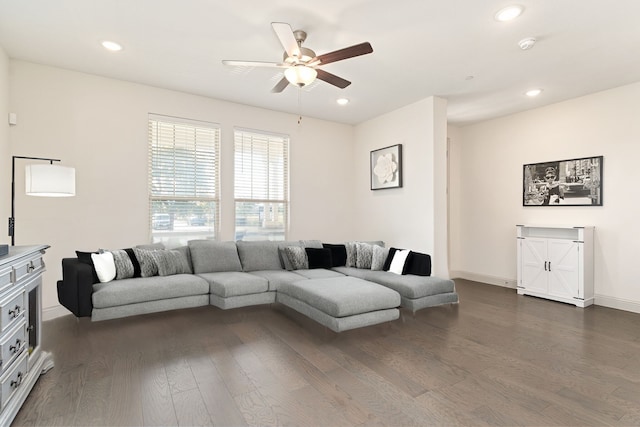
(300, 75)
(50, 181)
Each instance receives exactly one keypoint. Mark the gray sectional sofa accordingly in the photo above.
(237, 274)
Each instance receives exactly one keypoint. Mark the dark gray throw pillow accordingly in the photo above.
(124, 266)
(148, 266)
(170, 262)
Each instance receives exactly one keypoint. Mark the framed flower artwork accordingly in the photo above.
(386, 167)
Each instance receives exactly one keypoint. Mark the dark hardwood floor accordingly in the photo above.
(495, 359)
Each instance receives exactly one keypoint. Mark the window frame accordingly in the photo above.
(270, 138)
(210, 151)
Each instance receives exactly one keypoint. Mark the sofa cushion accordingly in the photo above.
(412, 286)
(340, 297)
(311, 244)
(210, 256)
(277, 277)
(261, 255)
(235, 283)
(143, 289)
(318, 273)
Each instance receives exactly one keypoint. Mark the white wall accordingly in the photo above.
(5, 152)
(405, 217)
(99, 126)
(487, 188)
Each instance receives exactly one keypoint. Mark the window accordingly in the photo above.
(184, 158)
(261, 185)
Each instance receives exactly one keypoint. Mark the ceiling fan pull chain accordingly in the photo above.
(299, 108)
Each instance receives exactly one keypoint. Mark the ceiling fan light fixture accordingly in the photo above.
(300, 75)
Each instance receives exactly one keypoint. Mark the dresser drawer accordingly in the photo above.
(13, 378)
(12, 309)
(11, 346)
(6, 278)
(26, 268)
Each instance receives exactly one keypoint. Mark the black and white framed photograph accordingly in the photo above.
(574, 182)
(386, 167)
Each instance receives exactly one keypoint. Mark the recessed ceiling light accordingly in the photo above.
(342, 101)
(112, 46)
(508, 13)
(533, 92)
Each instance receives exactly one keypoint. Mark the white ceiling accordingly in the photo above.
(449, 48)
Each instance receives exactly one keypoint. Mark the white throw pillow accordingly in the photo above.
(398, 261)
(105, 266)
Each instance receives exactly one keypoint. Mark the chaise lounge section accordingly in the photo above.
(339, 294)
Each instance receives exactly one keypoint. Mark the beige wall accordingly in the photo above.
(99, 126)
(405, 217)
(487, 161)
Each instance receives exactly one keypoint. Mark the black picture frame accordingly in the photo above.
(386, 167)
(572, 182)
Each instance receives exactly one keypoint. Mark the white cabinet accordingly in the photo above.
(556, 263)
(22, 361)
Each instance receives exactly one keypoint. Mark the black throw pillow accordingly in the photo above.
(85, 258)
(319, 258)
(418, 264)
(338, 254)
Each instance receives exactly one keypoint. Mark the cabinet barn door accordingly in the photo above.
(534, 256)
(564, 273)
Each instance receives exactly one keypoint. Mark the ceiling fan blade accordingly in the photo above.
(253, 64)
(339, 55)
(332, 79)
(280, 86)
(286, 37)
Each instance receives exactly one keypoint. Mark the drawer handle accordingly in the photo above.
(30, 268)
(13, 349)
(16, 383)
(15, 312)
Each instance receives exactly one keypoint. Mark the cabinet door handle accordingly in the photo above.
(15, 348)
(549, 265)
(16, 383)
(545, 266)
(15, 312)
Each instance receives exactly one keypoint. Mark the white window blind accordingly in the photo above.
(261, 185)
(184, 165)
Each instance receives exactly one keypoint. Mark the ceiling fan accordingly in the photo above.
(301, 64)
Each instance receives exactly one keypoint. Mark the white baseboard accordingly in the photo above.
(617, 303)
(53, 312)
(491, 280)
(601, 300)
